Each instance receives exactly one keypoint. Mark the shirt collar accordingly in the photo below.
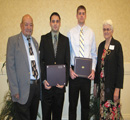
(25, 38)
(54, 33)
(79, 27)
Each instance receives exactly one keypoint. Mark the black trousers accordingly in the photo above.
(29, 110)
(76, 86)
(52, 103)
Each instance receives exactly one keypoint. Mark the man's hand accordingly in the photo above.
(92, 75)
(73, 75)
(116, 94)
(60, 86)
(46, 85)
(16, 96)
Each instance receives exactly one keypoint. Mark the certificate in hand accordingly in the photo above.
(83, 66)
(56, 74)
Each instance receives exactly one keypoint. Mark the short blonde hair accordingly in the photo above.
(108, 22)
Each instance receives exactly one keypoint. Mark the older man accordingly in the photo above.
(23, 71)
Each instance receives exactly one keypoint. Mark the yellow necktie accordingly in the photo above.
(81, 44)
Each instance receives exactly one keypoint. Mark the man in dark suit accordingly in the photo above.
(53, 97)
(23, 71)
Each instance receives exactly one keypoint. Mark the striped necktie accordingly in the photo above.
(81, 44)
(33, 63)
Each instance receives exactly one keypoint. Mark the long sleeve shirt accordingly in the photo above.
(35, 55)
(90, 50)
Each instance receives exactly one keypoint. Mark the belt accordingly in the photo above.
(35, 81)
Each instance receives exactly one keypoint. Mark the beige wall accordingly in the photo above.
(11, 12)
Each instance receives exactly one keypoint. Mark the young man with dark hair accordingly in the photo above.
(53, 96)
(56, 14)
(82, 44)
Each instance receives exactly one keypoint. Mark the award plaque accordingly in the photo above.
(56, 74)
(83, 66)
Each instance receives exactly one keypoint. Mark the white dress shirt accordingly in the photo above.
(35, 55)
(90, 50)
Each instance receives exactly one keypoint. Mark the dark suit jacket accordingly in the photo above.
(47, 53)
(113, 68)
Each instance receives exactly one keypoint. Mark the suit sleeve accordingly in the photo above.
(67, 60)
(10, 67)
(42, 63)
(96, 79)
(70, 45)
(97, 72)
(120, 67)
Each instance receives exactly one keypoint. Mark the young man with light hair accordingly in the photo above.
(78, 84)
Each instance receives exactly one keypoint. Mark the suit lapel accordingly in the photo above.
(100, 55)
(37, 50)
(51, 44)
(59, 45)
(23, 49)
(35, 44)
(108, 56)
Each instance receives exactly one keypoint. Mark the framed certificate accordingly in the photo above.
(83, 66)
(56, 74)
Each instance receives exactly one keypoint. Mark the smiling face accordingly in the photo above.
(27, 25)
(81, 16)
(55, 23)
(107, 31)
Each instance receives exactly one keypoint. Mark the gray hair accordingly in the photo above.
(108, 22)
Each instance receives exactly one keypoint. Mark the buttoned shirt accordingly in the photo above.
(90, 50)
(35, 56)
(53, 34)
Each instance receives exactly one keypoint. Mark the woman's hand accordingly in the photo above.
(116, 94)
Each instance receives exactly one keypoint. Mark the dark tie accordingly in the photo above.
(55, 44)
(33, 63)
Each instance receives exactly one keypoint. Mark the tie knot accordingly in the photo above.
(81, 29)
(55, 36)
(28, 39)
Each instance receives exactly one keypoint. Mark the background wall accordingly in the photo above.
(11, 12)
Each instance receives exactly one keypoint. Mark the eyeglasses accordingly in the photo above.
(107, 29)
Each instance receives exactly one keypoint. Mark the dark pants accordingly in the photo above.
(76, 86)
(52, 103)
(29, 110)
